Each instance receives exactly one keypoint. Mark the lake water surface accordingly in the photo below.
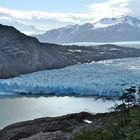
(16, 109)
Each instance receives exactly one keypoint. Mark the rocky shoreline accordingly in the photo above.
(78, 126)
(56, 128)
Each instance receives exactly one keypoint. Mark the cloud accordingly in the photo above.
(110, 8)
(134, 8)
(39, 22)
(113, 8)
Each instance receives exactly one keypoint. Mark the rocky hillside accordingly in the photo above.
(20, 54)
(23, 54)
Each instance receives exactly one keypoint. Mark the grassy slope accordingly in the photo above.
(113, 128)
(132, 130)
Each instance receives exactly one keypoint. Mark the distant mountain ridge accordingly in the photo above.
(124, 28)
(26, 28)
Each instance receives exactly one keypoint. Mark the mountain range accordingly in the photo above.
(123, 28)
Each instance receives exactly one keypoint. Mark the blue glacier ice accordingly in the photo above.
(103, 78)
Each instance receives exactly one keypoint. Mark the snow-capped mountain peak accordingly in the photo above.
(133, 21)
(106, 22)
(122, 28)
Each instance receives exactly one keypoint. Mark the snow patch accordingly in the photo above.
(100, 25)
(114, 49)
(75, 50)
(87, 121)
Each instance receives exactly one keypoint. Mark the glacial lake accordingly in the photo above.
(21, 108)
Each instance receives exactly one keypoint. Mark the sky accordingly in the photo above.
(42, 15)
(78, 6)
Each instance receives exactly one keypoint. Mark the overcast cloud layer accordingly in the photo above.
(39, 21)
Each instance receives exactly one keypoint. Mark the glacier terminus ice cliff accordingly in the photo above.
(103, 78)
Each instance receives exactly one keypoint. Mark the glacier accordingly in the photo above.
(103, 78)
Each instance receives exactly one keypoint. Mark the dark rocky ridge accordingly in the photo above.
(20, 54)
(57, 128)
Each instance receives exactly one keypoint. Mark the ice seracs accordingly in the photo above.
(137, 96)
(103, 78)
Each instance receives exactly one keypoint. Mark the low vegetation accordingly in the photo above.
(124, 124)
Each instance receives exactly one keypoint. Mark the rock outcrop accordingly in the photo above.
(57, 128)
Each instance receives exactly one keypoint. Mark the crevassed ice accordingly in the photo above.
(103, 78)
